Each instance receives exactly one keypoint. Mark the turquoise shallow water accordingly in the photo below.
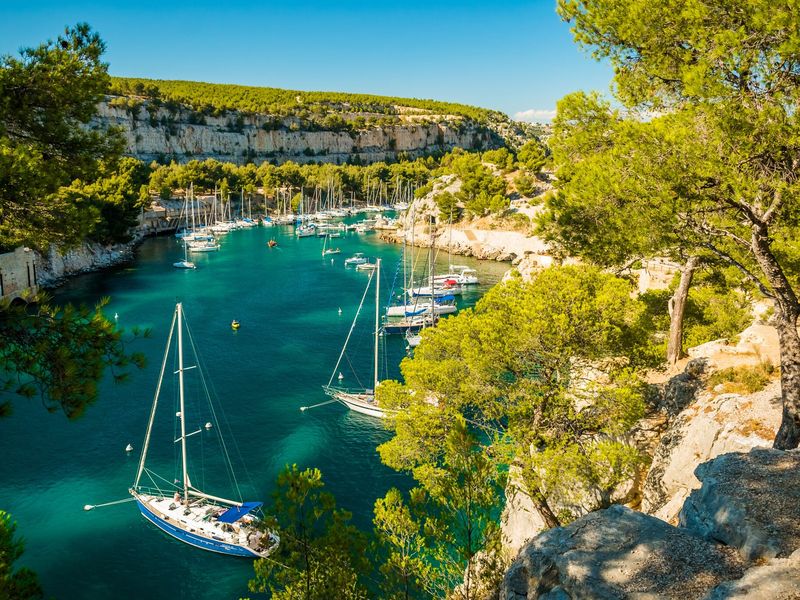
(287, 300)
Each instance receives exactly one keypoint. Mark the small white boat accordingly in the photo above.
(306, 231)
(185, 263)
(203, 247)
(437, 291)
(357, 259)
(459, 274)
(366, 266)
(413, 339)
(408, 310)
(331, 251)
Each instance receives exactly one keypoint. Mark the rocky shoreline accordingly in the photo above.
(53, 268)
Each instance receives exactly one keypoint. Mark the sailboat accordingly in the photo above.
(328, 251)
(362, 401)
(182, 510)
(185, 263)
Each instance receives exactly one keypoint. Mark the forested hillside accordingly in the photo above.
(214, 99)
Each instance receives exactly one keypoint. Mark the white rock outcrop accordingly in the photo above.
(710, 426)
(237, 138)
(749, 501)
(55, 265)
(779, 579)
(619, 553)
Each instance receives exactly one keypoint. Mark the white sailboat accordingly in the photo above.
(185, 263)
(328, 251)
(362, 401)
(357, 259)
(182, 510)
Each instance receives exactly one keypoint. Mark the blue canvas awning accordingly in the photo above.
(447, 298)
(235, 513)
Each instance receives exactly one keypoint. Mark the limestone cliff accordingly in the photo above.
(154, 132)
(738, 538)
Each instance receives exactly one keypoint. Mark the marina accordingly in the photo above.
(294, 307)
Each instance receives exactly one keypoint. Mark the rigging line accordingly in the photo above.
(355, 373)
(216, 405)
(150, 475)
(154, 474)
(352, 326)
(206, 384)
(201, 368)
(146, 443)
(394, 282)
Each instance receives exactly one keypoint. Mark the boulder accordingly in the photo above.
(520, 521)
(619, 553)
(778, 579)
(749, 501)
(708, 427)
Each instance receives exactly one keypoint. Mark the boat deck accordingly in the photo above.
(200, 519)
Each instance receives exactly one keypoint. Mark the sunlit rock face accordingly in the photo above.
(160, 134)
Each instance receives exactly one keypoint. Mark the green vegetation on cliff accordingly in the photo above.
(216, 98)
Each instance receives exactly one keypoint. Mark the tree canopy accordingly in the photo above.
(60, 182)
(536, 371)
(15, 584)
(47, 97)
(719, 161)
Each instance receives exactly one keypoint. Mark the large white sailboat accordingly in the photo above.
(362, 400)
(181, 509)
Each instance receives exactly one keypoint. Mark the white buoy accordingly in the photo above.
(88, 507)
(178, 414)
(208, 425)
(340, 376)
(331, 261)
(128, 448)
(340, 310)
(116, 316)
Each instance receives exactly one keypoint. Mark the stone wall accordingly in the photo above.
(18, 273)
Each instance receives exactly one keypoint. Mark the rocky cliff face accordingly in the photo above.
(154, 132)
(54, 265)
(712, 473)
(745, 515)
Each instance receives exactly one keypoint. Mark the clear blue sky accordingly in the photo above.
(510, 55)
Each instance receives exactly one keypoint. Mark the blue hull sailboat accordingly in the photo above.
(182, 510)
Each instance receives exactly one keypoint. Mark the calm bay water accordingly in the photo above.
(287, 300)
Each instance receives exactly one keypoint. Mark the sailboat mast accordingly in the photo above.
(430, 258)
(146, 443)
(183, 414)
(377, 316)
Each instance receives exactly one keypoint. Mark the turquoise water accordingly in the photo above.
(287, 300)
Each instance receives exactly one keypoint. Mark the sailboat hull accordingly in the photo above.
(193, 539)
(361, 403)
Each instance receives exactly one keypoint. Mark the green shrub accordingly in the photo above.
(746, 379)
